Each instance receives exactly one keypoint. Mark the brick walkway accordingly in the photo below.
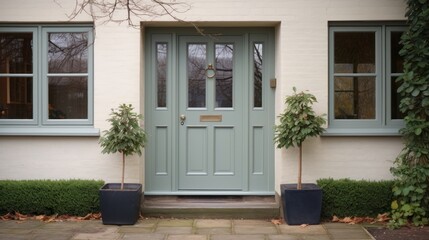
(174, 229)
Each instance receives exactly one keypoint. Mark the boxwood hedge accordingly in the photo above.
(72, 197)
(348, 198)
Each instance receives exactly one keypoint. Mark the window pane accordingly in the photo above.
(354, 52)
(396, 100)
(354, 98)
(68, 98)
(68, 53)
(257, 74)
(16, 98)
(397, 61)
(224, 74)
(161, 70)
(196, 75)
(16, 54)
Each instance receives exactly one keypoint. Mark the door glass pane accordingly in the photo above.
(196, 67)
(68, 98)
(354, 98)
(16, 54)
(68, 53)
(16, 98)
(224, 74)
(257, 74)
(161, 70)
(354, 52)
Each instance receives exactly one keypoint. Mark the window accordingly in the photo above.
(46, 80)
(364, 63)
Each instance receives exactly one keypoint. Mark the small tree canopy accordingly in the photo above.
(298, 121)
(125, 134)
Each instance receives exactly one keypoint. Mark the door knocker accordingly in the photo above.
(210, 71)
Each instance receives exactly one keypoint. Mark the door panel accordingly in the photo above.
(224, 149)
(210, 97)
(196, 151)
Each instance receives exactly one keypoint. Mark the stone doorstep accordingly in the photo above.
(252, 207)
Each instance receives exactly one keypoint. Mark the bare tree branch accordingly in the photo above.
(130, 11)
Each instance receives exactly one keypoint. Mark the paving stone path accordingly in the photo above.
(175, 229)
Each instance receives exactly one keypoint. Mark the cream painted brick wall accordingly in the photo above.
(62, 158)
(301, 61)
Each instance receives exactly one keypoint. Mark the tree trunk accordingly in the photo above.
(123, 171)
(299, 185)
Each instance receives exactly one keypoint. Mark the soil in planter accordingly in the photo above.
(405, 233)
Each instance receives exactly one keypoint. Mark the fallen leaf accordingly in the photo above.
(335, 219)
(383, 217)
(346, 220)
(20, 217)
(358, 220)
(303, 225)
(52, 218)
(277, 221)
(41, 217)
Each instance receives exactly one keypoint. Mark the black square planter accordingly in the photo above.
(301, 206)
(120, 207)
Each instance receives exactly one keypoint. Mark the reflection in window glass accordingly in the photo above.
(161, 76)
(68, 97)
(224, 74)
(196, 65)
(16, 54)
(396, 100)
(397, 61)
(68, 52)
(257, 74)
(16, 92)
(16, 98)
(354, 52)
(354, 97)
(396, 70)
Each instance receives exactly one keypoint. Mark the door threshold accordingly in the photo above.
(197, 206)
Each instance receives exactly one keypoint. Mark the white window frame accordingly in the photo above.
(382, 125)
(40, 124)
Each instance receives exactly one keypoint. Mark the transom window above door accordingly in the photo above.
(364, 63)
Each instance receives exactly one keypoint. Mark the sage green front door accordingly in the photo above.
(211, 117)
(209, 111)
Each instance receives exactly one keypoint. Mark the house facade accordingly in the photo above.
(209, 88)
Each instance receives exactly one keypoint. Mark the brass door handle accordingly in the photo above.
(182, 119)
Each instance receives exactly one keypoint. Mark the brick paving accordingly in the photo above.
(178, 229)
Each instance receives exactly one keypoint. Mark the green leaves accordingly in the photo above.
(298, 121)
(412, 165)
(125, 134)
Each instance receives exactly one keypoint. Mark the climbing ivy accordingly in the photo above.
(411, 169)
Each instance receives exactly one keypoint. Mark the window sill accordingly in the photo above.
(356, 132)
(50, 131)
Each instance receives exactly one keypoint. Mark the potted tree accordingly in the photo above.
(302, 203)
(120, 202)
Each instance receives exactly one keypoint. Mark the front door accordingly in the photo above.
(209, 111)
(211, 117)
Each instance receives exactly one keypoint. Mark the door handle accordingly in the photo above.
(182, 119)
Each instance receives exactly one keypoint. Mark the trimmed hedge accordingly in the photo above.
(72, 197)
(348, 198)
